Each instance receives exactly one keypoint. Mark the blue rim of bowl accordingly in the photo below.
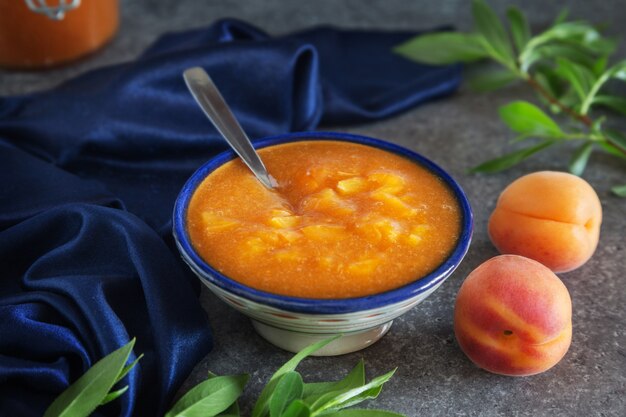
(315, 305)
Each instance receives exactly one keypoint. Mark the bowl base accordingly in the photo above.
(296, 341)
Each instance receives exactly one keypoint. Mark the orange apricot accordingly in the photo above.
(513, 316)
(551, 217)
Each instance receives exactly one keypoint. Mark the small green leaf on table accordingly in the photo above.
(262, 403)
(88, 392)
(288, 389)
(580, 77)
(619, 70)
(600, 65)
(127, 368)
(484, 81)
(297, 409)
(354, 379)
(617, 139)
(526, 118)
(579, 33)
(614, 103)
(616, 71)
(233, 410)
(519, 27)
(495, 37)
(114, 395)
(580, 158)
(547, 78)
(553, 50)
(560, 18)
(511, 159)
(210, 398)
(347, 398)
(612, 149)
(442, 48)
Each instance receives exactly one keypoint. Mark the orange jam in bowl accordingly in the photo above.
(347, 220)
(358, 232)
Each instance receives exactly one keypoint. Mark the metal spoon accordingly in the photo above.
(212, 103)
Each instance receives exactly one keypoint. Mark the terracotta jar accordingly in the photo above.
(45, 33)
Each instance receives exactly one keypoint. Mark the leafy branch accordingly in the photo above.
(567, 65)
(285, 394)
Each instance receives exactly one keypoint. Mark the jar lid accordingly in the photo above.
(53, 12)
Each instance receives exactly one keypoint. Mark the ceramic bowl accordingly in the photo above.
(293, 323)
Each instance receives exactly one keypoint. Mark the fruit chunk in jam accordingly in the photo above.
(347, 220)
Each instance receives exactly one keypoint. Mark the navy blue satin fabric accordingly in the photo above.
(90, 171)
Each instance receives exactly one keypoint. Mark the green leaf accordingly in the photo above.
(561, 17)
(596, 126)
(551, 82)
(344, 399)
(113, 395)
(511, 159)
(616, 138)
(554, 50)
(619, 70)
(615, 103)
(579, 159)
(599, 66)
(84, 395)
(491, 80)
(616, 71)
(356, 412)
(526, 118)
(369, 394)
(578, 32)
(233, 410)
(297, 409)
(262, 403)
(495, 37)
(127, 369)
(354, 379)
(601, 46)
(581, 34)
(581, 78)
(612, 149)
(619, 190)
(288, 388)
(569, 99)
(210, 397)
(442, 48)
(298, 357)
(519, 27)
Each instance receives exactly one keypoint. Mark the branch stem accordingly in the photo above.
(583, 118)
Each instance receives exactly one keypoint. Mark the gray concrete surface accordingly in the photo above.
(434, 377)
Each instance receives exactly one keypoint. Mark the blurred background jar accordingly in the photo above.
(45, 33)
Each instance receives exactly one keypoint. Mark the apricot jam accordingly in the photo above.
(30, 39)
(347, 220)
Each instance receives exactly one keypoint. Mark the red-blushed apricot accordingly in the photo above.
(513, 316)
(551, 217)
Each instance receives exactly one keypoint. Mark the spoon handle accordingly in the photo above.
(212, 103)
